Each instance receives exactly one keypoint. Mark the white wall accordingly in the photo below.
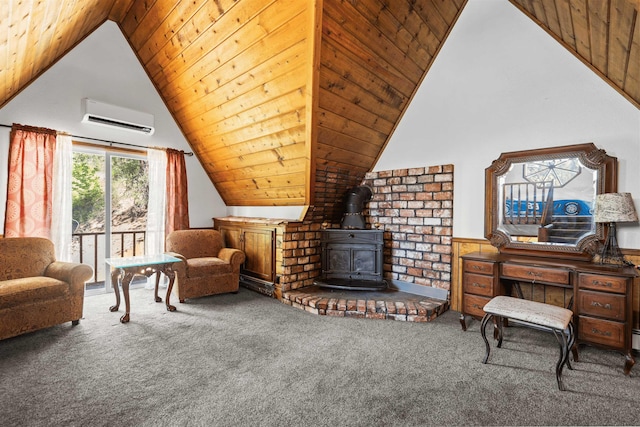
(103, 67)
(502, 84)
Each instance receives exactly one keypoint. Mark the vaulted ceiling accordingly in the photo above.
(290, 102)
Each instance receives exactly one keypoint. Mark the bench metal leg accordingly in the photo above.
(571, 347)
(483, 332)
(500, 323)
(564, 355)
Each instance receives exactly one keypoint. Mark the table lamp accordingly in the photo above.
(613, 208)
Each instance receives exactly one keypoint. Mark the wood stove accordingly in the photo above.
(352, 259)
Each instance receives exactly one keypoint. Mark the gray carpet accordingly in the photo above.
(248, 360)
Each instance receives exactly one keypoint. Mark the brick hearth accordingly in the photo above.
(389, 304)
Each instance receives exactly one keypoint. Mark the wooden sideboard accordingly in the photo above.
(257, 239)
(599, 295)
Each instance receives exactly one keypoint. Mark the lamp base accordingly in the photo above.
(611, 253)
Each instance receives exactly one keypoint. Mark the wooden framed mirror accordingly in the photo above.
(540, 202)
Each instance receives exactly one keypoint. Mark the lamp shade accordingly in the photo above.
(615, 207)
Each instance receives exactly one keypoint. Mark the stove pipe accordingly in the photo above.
(355, 200)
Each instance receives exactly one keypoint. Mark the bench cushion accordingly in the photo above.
(534, 312)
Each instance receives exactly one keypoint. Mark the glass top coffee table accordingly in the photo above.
(145, 265)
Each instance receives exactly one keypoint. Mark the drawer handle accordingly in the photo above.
(476, 306)
(477, 267)
(535, 276)
(477, 285)
(600, 305)
(599, 332)
(599, 283)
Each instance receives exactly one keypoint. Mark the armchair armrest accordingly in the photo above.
(75, 274)
(235, 257)
(177, 255)
(179, 267)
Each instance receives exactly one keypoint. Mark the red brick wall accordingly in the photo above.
(415, 209)
(301, 255)
(300, 242)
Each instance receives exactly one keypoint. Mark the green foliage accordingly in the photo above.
(129, 191)
(130, 179)
(87, 187)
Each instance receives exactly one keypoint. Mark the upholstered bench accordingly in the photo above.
(545, 316)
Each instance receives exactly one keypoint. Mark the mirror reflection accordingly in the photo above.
(548, 201)
(541, 201)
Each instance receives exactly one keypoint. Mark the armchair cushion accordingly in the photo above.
(31, 289)
(207, 266)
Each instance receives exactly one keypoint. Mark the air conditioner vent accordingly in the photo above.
(113, 116)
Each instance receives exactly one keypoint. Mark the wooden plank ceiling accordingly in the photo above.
(291, 102)
(604, 34)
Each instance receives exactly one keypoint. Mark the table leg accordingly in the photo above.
(126, 280)
(172, 277)
(158, 299)
(115, 274)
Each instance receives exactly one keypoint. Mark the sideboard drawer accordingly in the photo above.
(608, 305)
(478, 284)
(603, 283)
(601, 331)
(473, 305)
(530, 273)
(482, 267)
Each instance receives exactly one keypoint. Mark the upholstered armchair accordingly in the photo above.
(36, 291)
(206, 266)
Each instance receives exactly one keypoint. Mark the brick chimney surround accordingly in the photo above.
(414, 207)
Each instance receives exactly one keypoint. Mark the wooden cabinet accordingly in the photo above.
(601, 295)
(258, 242)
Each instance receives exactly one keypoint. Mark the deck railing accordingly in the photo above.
(89, 248)
(525, 202)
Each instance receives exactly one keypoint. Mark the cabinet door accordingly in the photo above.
(231, 236)
(259, 247)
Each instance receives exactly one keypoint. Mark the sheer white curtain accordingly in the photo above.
(61, 215)
(156, 208)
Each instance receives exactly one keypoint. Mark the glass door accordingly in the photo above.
(110, 193)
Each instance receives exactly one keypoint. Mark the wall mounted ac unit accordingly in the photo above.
(113, 116)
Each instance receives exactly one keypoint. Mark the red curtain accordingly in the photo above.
(29, 185)
(177, 200)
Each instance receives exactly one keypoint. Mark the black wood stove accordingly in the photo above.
(352, 256)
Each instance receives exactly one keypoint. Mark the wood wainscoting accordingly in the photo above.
(462, 246)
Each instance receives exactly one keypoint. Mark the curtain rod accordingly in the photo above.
(114, 142)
